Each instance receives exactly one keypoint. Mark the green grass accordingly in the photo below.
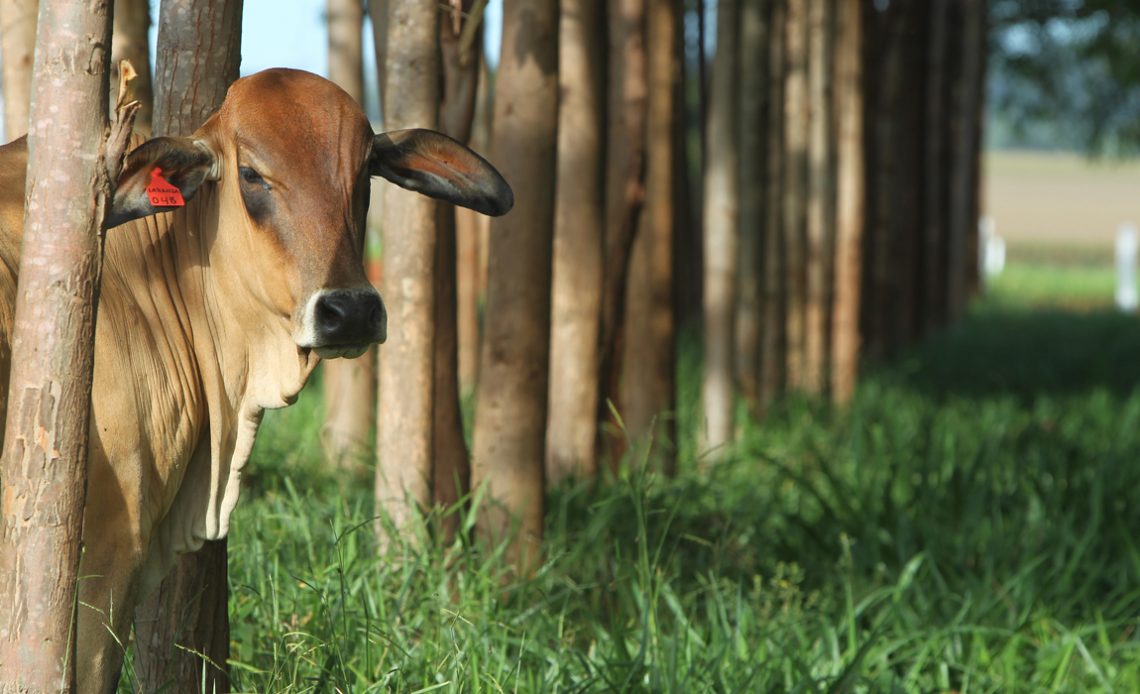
(968, 524)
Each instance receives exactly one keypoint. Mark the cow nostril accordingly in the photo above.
(331, 313)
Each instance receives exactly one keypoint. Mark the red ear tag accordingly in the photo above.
(161, 193)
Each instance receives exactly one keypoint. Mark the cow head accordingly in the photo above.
(291, 156)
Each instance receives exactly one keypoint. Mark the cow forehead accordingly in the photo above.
(294, 116)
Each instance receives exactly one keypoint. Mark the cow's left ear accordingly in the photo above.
(160, 175)
(437, 166)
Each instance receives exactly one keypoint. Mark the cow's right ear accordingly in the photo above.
(160, 175)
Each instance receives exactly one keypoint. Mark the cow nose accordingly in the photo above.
(350, 317)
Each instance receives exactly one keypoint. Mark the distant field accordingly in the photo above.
(1060, 199)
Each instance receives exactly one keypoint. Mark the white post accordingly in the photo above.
(991, 250)
(1126, 248)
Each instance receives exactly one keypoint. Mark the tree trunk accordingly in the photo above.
(966, 109)
(404, 424)
(821, 199)
(935, 211)
(753, 188)
(131, 41)
(849, 222)
(193, 70)
(572, 422)
(774, 350)
(650, 362)
(17, 41)
(624, 198)
(349, 384)
(722, 186)
(796, 135)
(510, 416)
(460, 60)
(44, 466)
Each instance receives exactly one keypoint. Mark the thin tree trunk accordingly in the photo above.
(349, 384)
(934, 246)
(821, 199)
(404, 425)
(193, 70)
(460, 60)
(624, 199)
(648, 388)
(773, 353)
(796, 136)
(968, 96)
(572, 422)
(850, 218)
(17, 42)
(510, 415)
(44, 466)
(689, 268)
(131, 41)
(722, 186)
(754, 92)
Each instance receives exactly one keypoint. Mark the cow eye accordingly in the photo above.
(251, 176)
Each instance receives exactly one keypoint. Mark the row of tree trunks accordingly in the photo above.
(923, 104)
(44, 465)
(187, 615)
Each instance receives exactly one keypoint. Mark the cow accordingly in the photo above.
(214, 311)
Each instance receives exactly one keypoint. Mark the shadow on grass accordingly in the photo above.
(1028, 353)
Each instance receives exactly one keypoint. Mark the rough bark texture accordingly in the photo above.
(650, 361)
(572, 426)
(404, 424)
(624, 198)
(197, 59)
(17, 42)
(722, 185)
(510, 415)
(349, 384)
(460, 60)
(131, 41)
(44, 465)
(850, 206)
(821, 199)
(754, 93)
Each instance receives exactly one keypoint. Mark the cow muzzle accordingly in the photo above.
(343, 322)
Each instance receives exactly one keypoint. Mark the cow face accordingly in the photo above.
(292, 155)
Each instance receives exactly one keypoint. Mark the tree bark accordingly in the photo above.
(774, 350)
(935, 210)
(821, 199)
(850, 210)
(572, 422)
(404, 425)
(966, 134)
(795, 187)
(648, 388)
(349, 384)
(510, 416)
(461, 61)
(754, 92)
(193, 70)
(131, 41)
(722, 185)
(44, 465)
(624, 199)
(17, 42)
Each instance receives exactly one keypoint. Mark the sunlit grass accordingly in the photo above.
(968, 524)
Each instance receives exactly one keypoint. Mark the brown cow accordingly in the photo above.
(212, 312)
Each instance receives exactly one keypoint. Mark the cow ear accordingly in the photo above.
(437, 166)
(180, 162)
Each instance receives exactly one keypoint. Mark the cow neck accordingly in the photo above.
(244, 356)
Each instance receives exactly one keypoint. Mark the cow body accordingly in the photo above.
(213, 312)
